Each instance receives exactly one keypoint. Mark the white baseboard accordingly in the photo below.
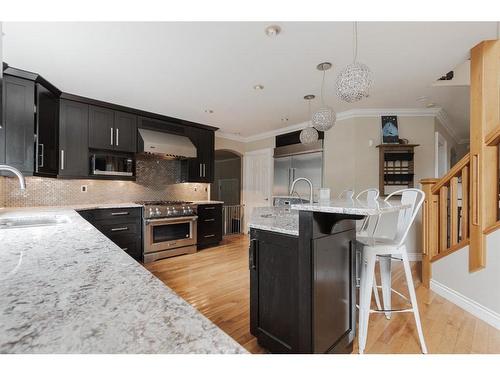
(469, 305)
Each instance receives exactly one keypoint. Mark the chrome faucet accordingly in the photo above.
(310, 187)
(17, 172)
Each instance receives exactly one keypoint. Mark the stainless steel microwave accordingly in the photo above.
(107, 164)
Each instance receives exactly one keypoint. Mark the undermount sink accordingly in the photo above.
(32, 221)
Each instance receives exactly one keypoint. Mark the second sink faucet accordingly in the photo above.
(17, 172)
(310, 187)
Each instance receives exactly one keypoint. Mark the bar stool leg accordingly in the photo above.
(386, 280)
(364, 307)
(413, 299)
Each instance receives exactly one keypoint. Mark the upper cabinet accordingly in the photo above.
(46, 130)
(201, 168)
(17, 134)
(73, 139)
(125, 132)
(112, 130)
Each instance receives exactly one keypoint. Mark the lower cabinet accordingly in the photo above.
(122, 226)
(209, 225)
(302, 291)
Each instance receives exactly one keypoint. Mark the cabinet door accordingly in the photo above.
(201, 168)
(101, 128)
(47, 150)
(273, 267)
(73, 139)
(19, 123)
(125, 132)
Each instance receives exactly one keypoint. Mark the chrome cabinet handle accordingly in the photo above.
(117, 137)
(120, 213)
(111, 141)
(209, 208)
(204, 170)
(201, 175)
(62, 160)
(209, 235)
(124, 248)
(119, 229)
(41, 155)
(209, 219)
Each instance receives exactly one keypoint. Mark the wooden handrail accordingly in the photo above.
(453, 172)
(493, 138)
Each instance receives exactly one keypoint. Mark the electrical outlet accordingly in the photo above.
(84, 188)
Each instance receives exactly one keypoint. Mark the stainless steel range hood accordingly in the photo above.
(166, 144)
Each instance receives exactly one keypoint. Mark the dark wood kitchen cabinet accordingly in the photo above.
(201, 168)
(47, 122)
(112, 130)
(209, 225)
(123, 226)
(73, 139)
(17, 133)
(302, 288)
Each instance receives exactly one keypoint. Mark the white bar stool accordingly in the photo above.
(347, 194)
(386, 249)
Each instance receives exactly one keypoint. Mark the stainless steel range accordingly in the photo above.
(169, 229)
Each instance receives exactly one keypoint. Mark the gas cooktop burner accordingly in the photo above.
(162, 203)
(161, 209)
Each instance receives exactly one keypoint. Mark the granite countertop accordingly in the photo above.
(275, 219)
(77, 207)
(67, 288)
(352, 207)
(208, 202)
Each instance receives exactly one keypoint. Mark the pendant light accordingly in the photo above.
(354, 82)
(309, 134)
(324, 118)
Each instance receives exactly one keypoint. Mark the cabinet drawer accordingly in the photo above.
(209, 211)
(112, 214)
(114, 229)
(130, 243)
(209, 228)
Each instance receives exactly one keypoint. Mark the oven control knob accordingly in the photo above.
(151, 212)
(157, 211)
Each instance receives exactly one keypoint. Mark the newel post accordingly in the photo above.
(430, 234)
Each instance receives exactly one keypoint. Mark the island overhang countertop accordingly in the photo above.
(352, 207)
(67, 288)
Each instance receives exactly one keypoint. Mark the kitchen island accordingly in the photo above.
(302, 274)
(67, 288)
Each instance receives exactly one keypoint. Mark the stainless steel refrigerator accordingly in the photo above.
(294, 161)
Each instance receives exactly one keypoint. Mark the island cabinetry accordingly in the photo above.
(302, 291)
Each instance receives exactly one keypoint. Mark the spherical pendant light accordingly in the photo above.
(324, 118)
(308, 135)
(354, 81)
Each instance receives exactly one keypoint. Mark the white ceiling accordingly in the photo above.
(181, 69)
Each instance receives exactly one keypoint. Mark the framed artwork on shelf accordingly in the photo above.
(390, 133)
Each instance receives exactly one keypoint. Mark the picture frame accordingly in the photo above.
(390, 132)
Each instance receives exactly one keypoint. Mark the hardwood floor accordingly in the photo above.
(216, 282)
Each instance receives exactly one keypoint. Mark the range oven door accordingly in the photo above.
(169, 233)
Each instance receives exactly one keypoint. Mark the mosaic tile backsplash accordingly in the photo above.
(156, 179)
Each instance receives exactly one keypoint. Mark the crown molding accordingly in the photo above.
(437, 112)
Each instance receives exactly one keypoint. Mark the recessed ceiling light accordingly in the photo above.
(258, 87)
(210, 111)
(272, 30)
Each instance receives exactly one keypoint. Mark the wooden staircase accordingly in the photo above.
(462, 207)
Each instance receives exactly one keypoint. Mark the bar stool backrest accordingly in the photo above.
(347, 194)
(414, 199)
(372, 194)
